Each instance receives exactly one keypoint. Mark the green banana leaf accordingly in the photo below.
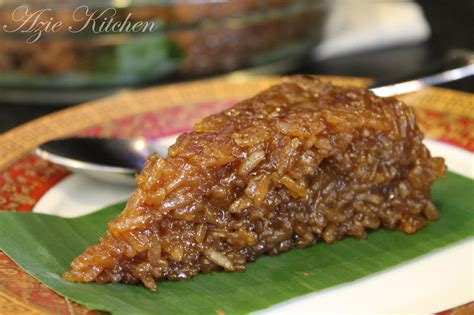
(44, 246)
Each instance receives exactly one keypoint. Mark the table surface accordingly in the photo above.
(448, 23)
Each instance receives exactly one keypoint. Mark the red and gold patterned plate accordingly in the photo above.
(30, 184)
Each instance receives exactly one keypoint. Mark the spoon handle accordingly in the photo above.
(430, 80)
(456, 65)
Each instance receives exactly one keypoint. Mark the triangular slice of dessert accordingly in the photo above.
(302, 162)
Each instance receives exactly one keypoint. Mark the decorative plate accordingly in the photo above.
(30, 184)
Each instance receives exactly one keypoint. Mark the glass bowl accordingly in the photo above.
(69, 47)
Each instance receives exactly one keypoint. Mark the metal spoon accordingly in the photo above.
(107, 159)
(117, 160)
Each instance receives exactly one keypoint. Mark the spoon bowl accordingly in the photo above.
(112, 160)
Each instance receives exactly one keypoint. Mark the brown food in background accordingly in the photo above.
(189, 13)
(205, 50)
(300, 163)
(221, 49)
(46, 57)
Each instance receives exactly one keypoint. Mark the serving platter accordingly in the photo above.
(29, 184)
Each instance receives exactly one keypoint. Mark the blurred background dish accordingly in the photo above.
(386, 41)
(111, 44)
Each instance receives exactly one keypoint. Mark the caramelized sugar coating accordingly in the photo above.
(301, 162)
